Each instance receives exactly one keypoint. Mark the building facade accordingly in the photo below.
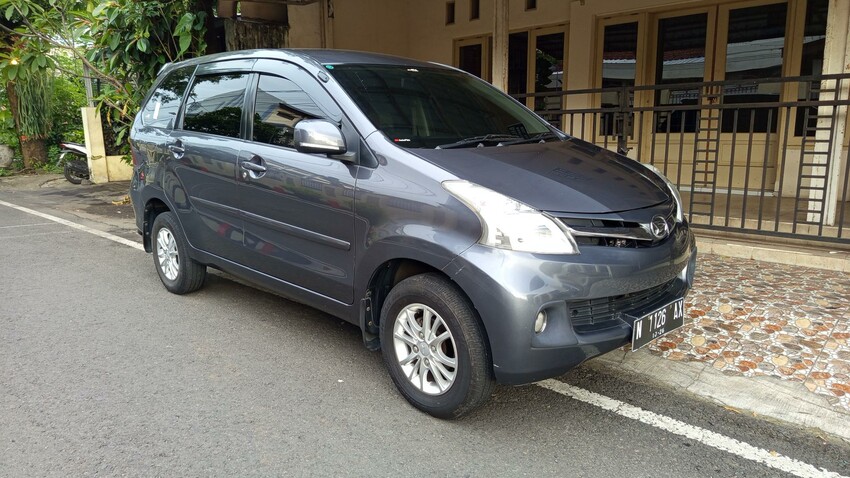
(742, 103)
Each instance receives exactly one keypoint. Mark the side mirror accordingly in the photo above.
(318, 136)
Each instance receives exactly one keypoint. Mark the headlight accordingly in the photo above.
(510, 224)
(680, 212)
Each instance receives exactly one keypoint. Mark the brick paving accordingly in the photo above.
(750, 318)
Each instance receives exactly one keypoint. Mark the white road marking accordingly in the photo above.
(105, 235)
(28, 225)
(676, 427)
(662, 422)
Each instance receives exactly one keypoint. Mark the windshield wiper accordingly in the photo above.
(537, 138)
(479, 140)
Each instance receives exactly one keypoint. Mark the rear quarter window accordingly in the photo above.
(161, 109)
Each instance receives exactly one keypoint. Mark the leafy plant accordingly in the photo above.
(8, 136)
(68, 97)
(122, 43)
(34, 94)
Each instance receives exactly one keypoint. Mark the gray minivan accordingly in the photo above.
(471, 241)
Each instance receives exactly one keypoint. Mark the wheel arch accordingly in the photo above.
(386, 276)
(154, 206)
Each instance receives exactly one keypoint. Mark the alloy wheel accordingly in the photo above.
(425, 349)
(166, 251)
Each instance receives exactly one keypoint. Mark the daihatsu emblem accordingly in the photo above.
(658, 227)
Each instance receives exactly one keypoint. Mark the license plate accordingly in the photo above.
(657, 323)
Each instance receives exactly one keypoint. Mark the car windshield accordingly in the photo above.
(437, 108)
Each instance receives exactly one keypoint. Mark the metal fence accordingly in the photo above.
(744, 160)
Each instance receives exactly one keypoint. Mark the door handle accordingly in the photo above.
(253, 167)
(177, 150)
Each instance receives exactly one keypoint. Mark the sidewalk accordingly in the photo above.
(769, 338)
(763, 338)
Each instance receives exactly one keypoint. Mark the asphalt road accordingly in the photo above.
(103, 372)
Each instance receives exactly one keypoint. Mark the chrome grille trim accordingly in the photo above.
(608, 230)
(635, 233)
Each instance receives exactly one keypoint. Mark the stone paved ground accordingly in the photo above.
(752, 318)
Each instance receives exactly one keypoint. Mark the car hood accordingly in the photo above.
(569, 176)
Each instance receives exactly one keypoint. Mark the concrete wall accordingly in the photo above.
(413, 28)
(371, 25)
(431, 39)
(102, 168)
(305, 26)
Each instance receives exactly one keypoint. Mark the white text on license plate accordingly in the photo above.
(657, 323)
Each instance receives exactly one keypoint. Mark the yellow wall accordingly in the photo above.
(431, 39)
(372, 25)
(306, 29)
(412, 28)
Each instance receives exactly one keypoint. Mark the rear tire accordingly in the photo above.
(70, 172)
(435, 347)
(179, 273)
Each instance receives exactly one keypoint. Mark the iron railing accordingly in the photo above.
(744, 160)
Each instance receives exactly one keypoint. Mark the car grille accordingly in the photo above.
(614, 233)
(599, 314)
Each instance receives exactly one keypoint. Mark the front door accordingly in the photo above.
(298, 208)
(204, 148)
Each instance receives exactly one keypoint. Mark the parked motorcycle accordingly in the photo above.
(73, 159)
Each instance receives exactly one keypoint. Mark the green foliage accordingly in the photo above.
(34, 95)
(53, 152)
(133, 41)
(123, 43)
(69, 96)
(8, 135)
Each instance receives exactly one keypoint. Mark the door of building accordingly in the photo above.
(735, 43)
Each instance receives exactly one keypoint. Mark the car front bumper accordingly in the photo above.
(509, 289)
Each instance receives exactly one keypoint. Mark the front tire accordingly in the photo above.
(179, 273)
(435, 348)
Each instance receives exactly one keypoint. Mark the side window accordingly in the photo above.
(162, 106)
(280, 104)
(214, 104)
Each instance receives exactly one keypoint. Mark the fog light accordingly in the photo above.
(540, 322)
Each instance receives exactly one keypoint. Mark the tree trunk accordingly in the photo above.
(34, 152)
(246, 35)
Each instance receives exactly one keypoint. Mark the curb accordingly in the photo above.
(781, 400)
(833, 260)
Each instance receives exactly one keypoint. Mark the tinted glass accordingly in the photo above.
(619, 63)
(429, 107)
(756, 42)
(162, 107)
(680, 58)
(215, 104)
(470, 57)
(518, 63)
(815, 37)
(754, 51)
(812, 61)
(279, 106)
(619, 55)
(549, 75)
